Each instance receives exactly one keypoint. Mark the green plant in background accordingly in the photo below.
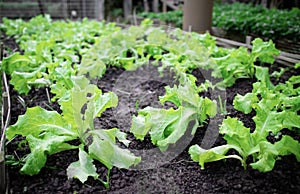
(245, 19)
(172, 17)
(52, 51)
(269, 23)
(239, 63)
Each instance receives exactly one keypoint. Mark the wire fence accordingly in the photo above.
(58, 9)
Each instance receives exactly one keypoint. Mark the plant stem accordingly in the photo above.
(106, 183)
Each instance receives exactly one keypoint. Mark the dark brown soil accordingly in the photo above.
(179, 175)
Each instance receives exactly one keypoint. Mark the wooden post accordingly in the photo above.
(99, 9)
(146, 6)
(248, 41)
(164, 6)
(83, 2)
(155, 6)
(127, 7)
(65, 9)
(197, 15)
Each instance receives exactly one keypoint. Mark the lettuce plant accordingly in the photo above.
(49, 132)
(276, 109)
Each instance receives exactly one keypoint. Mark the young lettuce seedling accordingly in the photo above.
(276, 109)
(48, 132)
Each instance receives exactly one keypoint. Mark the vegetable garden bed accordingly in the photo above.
(65, 114)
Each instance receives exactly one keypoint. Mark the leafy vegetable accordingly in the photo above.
(239, 63)
(275, 111)
(52, 51)
(48, 132)
(64, 55)
(83, 168)
(168, 126)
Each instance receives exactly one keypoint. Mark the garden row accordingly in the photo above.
(245, 19)
(65, 57)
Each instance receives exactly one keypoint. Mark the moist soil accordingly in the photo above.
(178, 174)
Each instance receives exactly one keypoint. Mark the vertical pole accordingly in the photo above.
(197, 15)
(155, 6)
(65, 9)
(164, 6)
(83, 8)
(146, 6)
(248, 41)
(127, 7)
(99, 9)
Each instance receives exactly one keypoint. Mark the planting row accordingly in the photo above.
(66, 56)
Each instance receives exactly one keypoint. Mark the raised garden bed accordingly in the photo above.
(138, 85)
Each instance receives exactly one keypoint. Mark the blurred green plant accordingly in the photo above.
(245, 19)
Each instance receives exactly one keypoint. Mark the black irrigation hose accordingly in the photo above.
(5, 119)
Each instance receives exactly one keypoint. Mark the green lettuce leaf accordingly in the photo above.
(17, 62)
(236, 134)
(37, 121)
(48, 132)
(203, 156)
(83, 168)
(46, 144)
(265, 51)
(276, 109)
(104, 149)
(244, 103)
(269, 153)
(167, 126)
